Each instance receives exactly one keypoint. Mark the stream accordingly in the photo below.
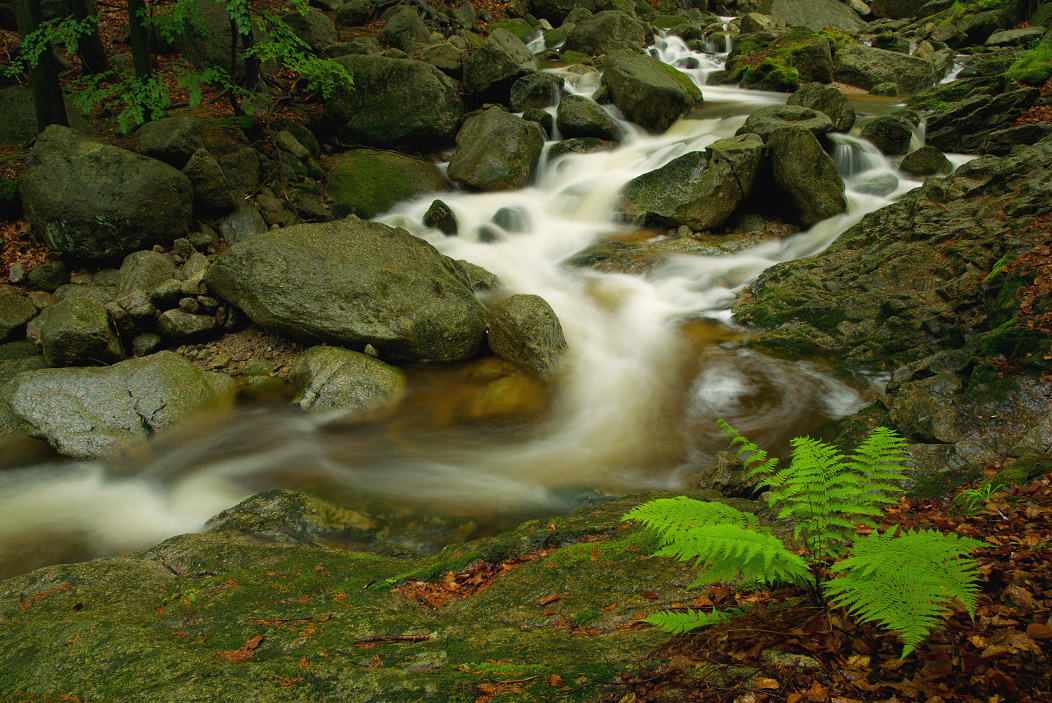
(653, 360)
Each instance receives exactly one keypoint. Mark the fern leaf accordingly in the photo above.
(905, 582)
(756, 462)
(678, 623)
(681, 514)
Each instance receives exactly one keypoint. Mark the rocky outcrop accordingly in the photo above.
(396, 104)
(829, 101)
(606, 32)
(806, 173)
(367, 182)
(87, 413)
(493, 67)
(526, 331)
(867, 67)
(496, 151)
(95, 201)
(650, 93)
(967, 125)
(354, 283)
(816, 15)
(344, 382)
(77, 332)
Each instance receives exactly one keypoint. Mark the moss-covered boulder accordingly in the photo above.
(15, 312)
(829, 101)
(650, 93)
(77, 332)
(526, 331)
(496, 151)
(344, 382)
(766, 120)
(806, 174)
(351, 283)
(493, 67)
(889, 133)
(866, 67)
(606, 32)
(397, 104)
(87, 413)
(767, 61)
(926, 161)
(367, 182)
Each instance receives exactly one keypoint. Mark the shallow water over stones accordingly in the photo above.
(652, 361)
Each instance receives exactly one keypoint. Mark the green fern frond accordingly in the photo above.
(905, 582)
(682, 514)
(678, 623)
(756, 461)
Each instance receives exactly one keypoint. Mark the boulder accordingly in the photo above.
(244, 222)
(353, 283)
(778, 62)
(497, 64)
(206, 37)
(697, 190)
(606, 32)
(20, 118)
(405, 30)
(650, 93)
(496, 151)
(396, 103)
(896, 9)
(172, 140)
(95, 201)
(186, 328)
(1015, 37)
(766, 120)
(965, 125)
(926, 161)
(816, 15)
(212, 194)
(889, 133)
(866, 67)
(285, 516)
(579, 145)
(86, 413)
(345, 382)
(829, 101)
(77, 332)
(313, 27)
(367, 182)
(441, 217)
(144, 270)
(580, 117)
(525, 330)
(445, 57)
(15, 312)
(535, 90)
(807, 174)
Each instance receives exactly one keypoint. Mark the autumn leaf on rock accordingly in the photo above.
(243, 652)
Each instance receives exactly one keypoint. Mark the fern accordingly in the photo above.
(678, 623)
(906, 582)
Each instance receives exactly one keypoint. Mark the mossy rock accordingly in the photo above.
(1034, 67)
(367, 182)
(780, 63)
(517, 26)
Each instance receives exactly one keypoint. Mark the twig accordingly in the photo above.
(393, 638)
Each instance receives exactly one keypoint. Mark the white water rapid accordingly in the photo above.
(652, 363)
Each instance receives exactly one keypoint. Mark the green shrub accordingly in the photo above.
(902, 581)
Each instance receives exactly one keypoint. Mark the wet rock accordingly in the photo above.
(313, 27)
(77, 332)
(353, 283)
(816, 15)
(144, 270)
(86, 413)
(963, 126)
(806, 174)
(535, 90)
(650, 93)
(889, 133)
(48, 276)
(827, 100)
(183, 327)
(496, 151)
(579, 145)
(525, 330)
(926, 161)
(367, 182)
(606, 32)
(344, 382)
(396, 104)
(766, 120)
(497, 64)
(15, 312)
(97, 202)
(580, 117)
(439, 216)
(882, 184)
(173, 140)
(866, 67)
(286, 516)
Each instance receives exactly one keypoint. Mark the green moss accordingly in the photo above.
(366, 182)
(939, 486)
(575, 57)
(517, 26)
(585, 617)
(1034, 67)
(667, 21)
(1013, 341)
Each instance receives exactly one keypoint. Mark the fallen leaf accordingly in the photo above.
(649, 595)
(548, 600)
(556, 681)
(761, 682)
(1039, 631)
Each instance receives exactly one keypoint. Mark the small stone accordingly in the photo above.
(17, 273)
(220, 361)
(189, 305)
(181, 326)
(182, 247)
(370, 350)
(145, 344)
(40, 299)
(257, 368)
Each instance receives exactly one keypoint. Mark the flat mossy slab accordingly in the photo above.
(367, 182)
(221, 617)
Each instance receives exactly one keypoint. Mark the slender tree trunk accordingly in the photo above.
(92, 55)
(43, 77)
(140, 39)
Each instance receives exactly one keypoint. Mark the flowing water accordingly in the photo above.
(653, 360)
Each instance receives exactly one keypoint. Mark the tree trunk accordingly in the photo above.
(43, 77)
(92, 55)
(140, 39)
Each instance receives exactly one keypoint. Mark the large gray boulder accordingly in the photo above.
(354, 283)
(807, 174)
(829, 101)
(314, 27)
(606, 32)
(866, 67)
(86, 413)
(766, 120)
(496, 151)
(95, 201)
(896, 9)
(578, 116)
(405, 30)
(144, 270)
(173, 140)
(345, 382)
(699, 190)
(15, 312)
(816, 15)
(396, 104)
(493, 67)
(650, 93)
(889, 133)
(367, 182)
(77, 332)
(526, 331)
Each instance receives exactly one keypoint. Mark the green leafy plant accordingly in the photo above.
(972, 500)
(66, 31)
(902, 581)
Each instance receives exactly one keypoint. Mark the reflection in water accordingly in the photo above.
(653, 360)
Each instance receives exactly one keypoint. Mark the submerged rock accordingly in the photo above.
(87, 413)
(344, 382)
(354, 283)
